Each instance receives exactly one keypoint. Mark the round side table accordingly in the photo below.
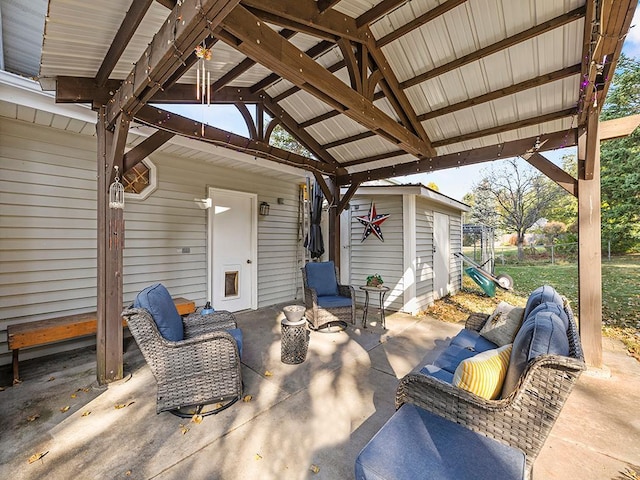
(382, 291)
(295, 341)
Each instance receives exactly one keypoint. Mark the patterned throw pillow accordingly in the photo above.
(503, 324)
(484, 373)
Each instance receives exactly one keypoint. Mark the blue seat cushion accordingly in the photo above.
(334, 301)
(451, 357)
(544, 334)
(473, 340)
(437, 372)
(158, 302)
(545, 293)
(321, 276)
(416, 444)
(236, 333)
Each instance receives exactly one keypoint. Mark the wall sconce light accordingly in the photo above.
(203, 203)
(264, 209)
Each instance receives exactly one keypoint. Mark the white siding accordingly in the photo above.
(48, 229)
(424, 253)
(374, 256)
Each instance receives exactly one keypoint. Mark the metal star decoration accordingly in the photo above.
(372, 223)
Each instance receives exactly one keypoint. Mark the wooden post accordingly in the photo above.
(589, 242)
(334, 222)
(109, 251)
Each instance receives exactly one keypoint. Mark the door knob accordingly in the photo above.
(248, 261)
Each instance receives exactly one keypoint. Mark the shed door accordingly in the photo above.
(232, 247)
(441, 255)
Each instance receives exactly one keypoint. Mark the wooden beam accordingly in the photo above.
(352, 138)
(186, 26)
(128, 27)
(377, 11)
(544, 27)
(302, 136)
(313, 52)
(554, 172)
(259, 41)
(618, 128)
(374, 158)
(503, 92)
(589, 251)
(515, 148)
(186, 127)
(294, 89)
(419, 21)
(184, 93)
(187, 64)
(319, 118)
(326, 191)
(306, 13)
(326, 4)
(334, 222)
(248, 120)
(145, 148)
(527, 122)
(593, 145)
(344, 201)
(84, 90)
(353, 68)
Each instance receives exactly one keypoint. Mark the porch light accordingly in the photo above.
(116, 193)
(264, 209)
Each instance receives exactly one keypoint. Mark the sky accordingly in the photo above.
(455, 182)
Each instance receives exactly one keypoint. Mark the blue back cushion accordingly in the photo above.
(542, 334)
(321, 276)
(545, 293)
(552, 307)
(158, 302)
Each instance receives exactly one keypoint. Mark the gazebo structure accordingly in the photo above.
(372, 88)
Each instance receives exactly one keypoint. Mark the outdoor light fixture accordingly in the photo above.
(203, 203)
(116, 193)
(264, 209)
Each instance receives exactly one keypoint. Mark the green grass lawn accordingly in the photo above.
(620, 292)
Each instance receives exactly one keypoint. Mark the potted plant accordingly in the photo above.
(374, 280)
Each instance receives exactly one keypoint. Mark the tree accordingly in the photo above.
(620, 163)
(522, 196)
(282, 139)
(483, 208)
(565, 210)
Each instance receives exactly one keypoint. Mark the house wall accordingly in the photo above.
(48, 230)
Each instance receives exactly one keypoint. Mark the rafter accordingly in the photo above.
(187, 24)
(184, 93)
(260, 42)
(294, 129)
(527, 122)
(469, 157)
(503, 92)
(350, 139)
(326, 4)
(128, 27)
(145, 148)
(496, 47)
(186, 127)
(379, 10)
(419, 21)
(374, 158)
(305, 14)
(551, 170)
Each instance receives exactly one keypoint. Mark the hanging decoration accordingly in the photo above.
(116, 193)
(372, 223)
(203, 78)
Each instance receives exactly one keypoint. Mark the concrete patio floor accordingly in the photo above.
(319, 413)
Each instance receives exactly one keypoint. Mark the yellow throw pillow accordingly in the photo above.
(483, 374)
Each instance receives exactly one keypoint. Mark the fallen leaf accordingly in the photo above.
(247, 398)
(130, 403)
(196, 419)
(268, 374)
(184, 429)
(37, 456)
(85, 389)
(127, 473)
(73, 395)
(86, 414)
(65, 408)
(217, 406)
(16, 381)
(118, 406)
(1, 389)
(33, 417)
(258, 456)
(314, 468)
(51, 379)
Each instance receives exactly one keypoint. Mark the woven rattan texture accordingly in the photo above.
(202, 369)
(318, 316)
(294, 344)
(523, 419)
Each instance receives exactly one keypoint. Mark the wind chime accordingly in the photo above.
(116, 205)
(203, 78)
(116, 193)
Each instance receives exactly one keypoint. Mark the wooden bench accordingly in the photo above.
(41, 332)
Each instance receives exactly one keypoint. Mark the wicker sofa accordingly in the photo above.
(503, 435)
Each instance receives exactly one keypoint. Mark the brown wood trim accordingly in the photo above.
(145, 148)
(352, 138)
(618, 127)
(377, 11)
(248, 120)
(555, 173)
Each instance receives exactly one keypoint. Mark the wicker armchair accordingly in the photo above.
(524, 418)
(327, 302)
(202, 369)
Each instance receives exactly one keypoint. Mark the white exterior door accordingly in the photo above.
(232, 250)
(441, 255)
